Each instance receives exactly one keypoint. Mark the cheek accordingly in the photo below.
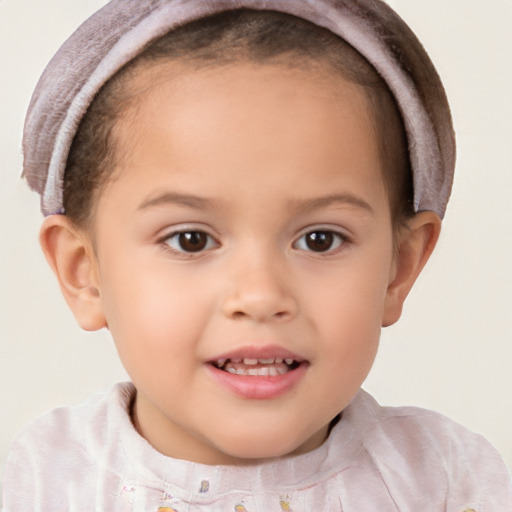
(145, 305)
(351, 296)
(346, 309)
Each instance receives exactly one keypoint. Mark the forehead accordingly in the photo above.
(207, 98)
(197, 128)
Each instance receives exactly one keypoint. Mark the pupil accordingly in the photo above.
(193, 241)
(319, 241)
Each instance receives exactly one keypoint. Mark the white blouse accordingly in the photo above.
(376, 459)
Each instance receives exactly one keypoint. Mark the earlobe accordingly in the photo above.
(70, 255)
(416, 241)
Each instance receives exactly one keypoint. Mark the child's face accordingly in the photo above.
(248, 219)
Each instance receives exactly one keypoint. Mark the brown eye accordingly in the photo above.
(193, 242)
(190, 241)
(319, 241)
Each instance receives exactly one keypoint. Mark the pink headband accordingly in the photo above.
(123, 28)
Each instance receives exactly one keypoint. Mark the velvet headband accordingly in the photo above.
(122, 29)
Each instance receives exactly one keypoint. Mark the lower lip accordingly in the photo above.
(258, 387)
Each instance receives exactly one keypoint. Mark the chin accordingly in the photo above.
(248, 449)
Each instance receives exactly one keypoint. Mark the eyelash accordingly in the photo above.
(192, 236)
(327, 237)
(324, 236)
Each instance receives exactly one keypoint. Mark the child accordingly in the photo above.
(243, 193)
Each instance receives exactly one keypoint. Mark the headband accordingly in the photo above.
(122, 29)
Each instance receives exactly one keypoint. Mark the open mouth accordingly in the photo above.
(257, 367)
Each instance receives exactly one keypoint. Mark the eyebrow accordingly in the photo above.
(307, 205)
(304, 205)
(190, 201)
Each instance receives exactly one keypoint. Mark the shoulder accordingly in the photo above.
(431, 452)
(59, 447)
(432, 435)
(70, 428)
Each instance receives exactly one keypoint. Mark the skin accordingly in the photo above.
(255, 157)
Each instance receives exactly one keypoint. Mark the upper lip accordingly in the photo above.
(259, 352)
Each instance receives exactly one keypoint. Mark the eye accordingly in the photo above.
(320, 241)
(190, 241)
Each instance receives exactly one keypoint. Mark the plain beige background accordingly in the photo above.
(452, 350)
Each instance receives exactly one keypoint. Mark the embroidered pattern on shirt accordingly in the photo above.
(285, 505)
(205, 486)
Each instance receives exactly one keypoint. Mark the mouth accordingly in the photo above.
(257, 367)
(258, 373)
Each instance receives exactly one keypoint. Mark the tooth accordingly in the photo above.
(229, 369)
(250, 361)
(272, 371)
(252, 371)
(221, 362)
(288, 361)
(266, 361)
(237, 360)
(265, 371)
(278, 361)
(240, 371)
(281, 370)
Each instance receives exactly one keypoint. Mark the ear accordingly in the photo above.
(70, 254)
(416, 241)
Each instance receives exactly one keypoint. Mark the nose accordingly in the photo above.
(258, 290)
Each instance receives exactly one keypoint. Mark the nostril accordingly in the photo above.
(279, 315)
(238, 315)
